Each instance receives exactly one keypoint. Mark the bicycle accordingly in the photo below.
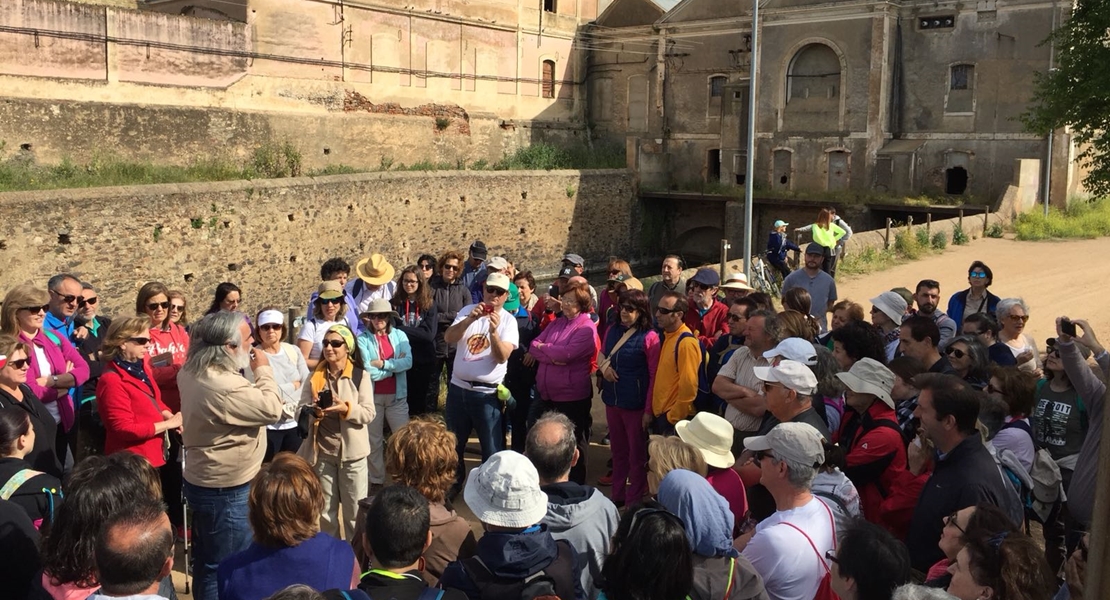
(765, 278)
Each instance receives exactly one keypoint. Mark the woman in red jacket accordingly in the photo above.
(129, 401)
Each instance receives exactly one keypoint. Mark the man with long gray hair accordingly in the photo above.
(224, 433)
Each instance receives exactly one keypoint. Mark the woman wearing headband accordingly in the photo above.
(290, 373)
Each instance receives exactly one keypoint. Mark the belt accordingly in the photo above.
(481, 384)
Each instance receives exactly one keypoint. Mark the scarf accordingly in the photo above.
(136, 370)
(705, 514)
(319, 379)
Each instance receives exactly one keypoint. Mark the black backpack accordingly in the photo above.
(556, 581)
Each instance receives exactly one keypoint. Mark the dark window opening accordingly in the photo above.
(713, 170)
(783, 179)
(740, 179)
(717, 86)
(548, 79)
(955, 181)
(961, 77)
(938, 22)
(549, 5)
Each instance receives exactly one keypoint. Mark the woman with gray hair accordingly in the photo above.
(1012, 315)
(225, 421)
(969, 357)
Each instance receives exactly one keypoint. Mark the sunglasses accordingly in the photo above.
(966, 332)
(699, 286)
(18, 365)
(735, 318)
(142, 341)
(830, 555)
(759, 455)
(993, 390)
(1052, 352)
(333, 343)
(614, 271)
(35, 309)
(67, 298)
(450, 267)
(977, 275)
(667, 311)
(157, 305)
(1022, 318)
(951, 520)
(87, 301)
(377, 316)
(329, 301)
(628, 308)
(269, 327)
(427, 266)
(495, 292)
(410, 281)
(177, 307)
(955, 352)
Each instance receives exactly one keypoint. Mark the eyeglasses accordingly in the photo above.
(495, 292)
(1052, 352)
(329, 301)
(87, 301)
(410, 282)
(977, 275)
(667, 311)
(614, 271)
(142, 341)
(736, 318)
(699, 286)
(1022, 318)
(269, 327)
(955, 352)
(772, 384)
(628, 308)
(157, 305)
(333, 343)
(450, 267)
(759, 455)
(177, 307)
(993, 390)
(966, 332)
(35, 309)
(830, 555)
(377, 316)
(18, 365)
(67, 298)
(951, 520)
(426, 266)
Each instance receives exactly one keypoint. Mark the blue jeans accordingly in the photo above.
(469, 410)
(220, 529)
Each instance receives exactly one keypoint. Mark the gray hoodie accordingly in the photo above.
(587, 520)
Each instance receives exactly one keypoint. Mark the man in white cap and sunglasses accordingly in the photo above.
(485, 334)
(872, 440)
(789, 387)
(887, 311)
(789, 548)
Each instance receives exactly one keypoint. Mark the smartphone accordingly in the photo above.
(324, 400)
(487, 308)
(1067, 327)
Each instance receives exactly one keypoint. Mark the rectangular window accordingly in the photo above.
(962, 76)
(548, 79)
(549, 6)
(717, 87)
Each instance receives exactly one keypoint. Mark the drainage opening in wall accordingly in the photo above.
(955, 180)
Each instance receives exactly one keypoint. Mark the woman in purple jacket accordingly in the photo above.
(566, 352)
(56, 367)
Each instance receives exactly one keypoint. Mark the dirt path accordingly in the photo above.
(1054, 278)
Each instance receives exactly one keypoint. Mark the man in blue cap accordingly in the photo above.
(707, 317)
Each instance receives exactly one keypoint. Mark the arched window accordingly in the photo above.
(814, 73)
(548, 79)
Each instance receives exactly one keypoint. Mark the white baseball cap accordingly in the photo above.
(792, 374)
(796, 443)
(795, 349)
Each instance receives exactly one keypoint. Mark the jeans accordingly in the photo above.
(578, 411)
(628, 442)
(344, 483)
(471, 410)
(395, 411)
(220, 529)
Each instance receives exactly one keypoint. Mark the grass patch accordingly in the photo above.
(1081, 219)
(907, 246)
(548, 157)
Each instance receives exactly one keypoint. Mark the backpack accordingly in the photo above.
(866, 425)
(704, 400)
(544, 584)
(16, 482)
(1043, 492)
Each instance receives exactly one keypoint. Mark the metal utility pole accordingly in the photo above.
(749, 175)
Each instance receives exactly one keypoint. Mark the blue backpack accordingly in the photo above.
(705, 400)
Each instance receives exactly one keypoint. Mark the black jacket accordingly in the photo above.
(44, 456)
(965, 477)
(449, 300)
(39, 505)
(515, 556)
(402, 587)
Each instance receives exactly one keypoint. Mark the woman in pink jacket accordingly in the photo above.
(56, 366)
(567, 353)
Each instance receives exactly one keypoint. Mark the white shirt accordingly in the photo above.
(791, 570)
(45, 371)
(366, 295)
(740, 368)
(314, 331)
(474, 359)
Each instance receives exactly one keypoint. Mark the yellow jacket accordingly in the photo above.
(676, 385)
(827, 237)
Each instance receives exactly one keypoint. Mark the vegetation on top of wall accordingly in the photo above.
(1081, 219)
(839, 198)
(273, 160)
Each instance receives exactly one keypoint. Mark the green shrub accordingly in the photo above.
(959, 238)
(548, 157)
(994, 230)
(1082, 219)
(922, 236)
(907, 246)
(940, 240)
(274, 160)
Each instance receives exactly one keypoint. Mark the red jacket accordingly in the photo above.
(876, 460)
(129, 414)
(709, 327)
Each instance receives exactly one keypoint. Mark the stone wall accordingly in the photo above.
(270, 236)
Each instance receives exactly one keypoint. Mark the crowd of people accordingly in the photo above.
(756, 453)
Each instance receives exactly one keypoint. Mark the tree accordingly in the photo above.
(1076, 94)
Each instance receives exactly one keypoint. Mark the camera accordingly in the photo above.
(325, 399)
(1067, 327)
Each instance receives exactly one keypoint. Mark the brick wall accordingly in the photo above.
(271, 236)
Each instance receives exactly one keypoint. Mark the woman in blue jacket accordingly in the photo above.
(386, 356)
(777, 245)
(626, 371)
(976, 298)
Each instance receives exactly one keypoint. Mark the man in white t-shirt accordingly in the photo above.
(485, 335)
(788, 548)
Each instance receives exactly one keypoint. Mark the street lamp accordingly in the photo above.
(749, 177)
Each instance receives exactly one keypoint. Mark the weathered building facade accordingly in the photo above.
(904, 97)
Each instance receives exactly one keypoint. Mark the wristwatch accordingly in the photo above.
(54, 380)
